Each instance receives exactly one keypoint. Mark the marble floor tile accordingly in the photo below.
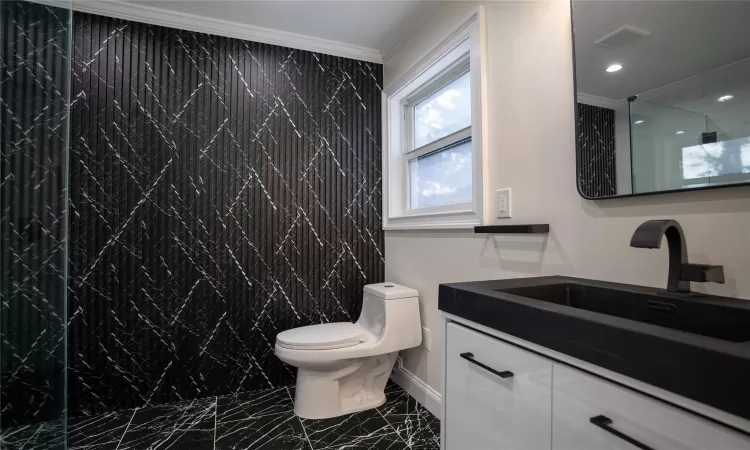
(253, 420)
(416, 426)
(362, 430)
(259, 420)
(185, 426)
(39, 436)
(103, 432)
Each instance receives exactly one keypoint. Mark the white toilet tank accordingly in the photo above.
(390, 311)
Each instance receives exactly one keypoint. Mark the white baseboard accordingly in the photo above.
(421, 391)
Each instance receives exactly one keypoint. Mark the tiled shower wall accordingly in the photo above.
(596, 157)
(222, 191)
(34, 75)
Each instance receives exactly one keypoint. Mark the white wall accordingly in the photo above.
(532, 150)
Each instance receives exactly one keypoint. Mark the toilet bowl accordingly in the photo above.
(343, 367)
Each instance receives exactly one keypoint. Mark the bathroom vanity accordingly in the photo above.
(566, 363)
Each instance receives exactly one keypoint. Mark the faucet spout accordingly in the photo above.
(649, 235)
(681, 272)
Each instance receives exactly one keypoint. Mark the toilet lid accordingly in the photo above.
(322, 337)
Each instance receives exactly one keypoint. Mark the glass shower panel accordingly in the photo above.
(658, 136)
(34, 84)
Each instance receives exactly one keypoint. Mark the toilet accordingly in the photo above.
(343, 367)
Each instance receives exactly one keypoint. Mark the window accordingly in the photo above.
(439, 157)
(442, 177)
(434, 148)
(716, 162)
(444, 112)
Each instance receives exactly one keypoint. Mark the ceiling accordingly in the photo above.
(687, 38)
(370, 24)
(696, 52)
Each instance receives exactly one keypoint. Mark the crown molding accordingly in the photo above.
(595, 100)
(200, 24)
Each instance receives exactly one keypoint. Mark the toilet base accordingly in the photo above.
(358, 386)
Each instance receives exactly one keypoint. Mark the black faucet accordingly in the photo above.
(681, 272)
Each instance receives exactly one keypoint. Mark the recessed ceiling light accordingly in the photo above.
(638, 121)
(614, 68)
(680, 132)
(725, 98)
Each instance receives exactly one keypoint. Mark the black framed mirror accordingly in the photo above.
(662, 96)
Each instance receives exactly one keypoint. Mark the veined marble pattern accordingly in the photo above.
(413, 423)
(34, 74)
(37, 436)
(222, 191)
(597, 174)
(255, 420)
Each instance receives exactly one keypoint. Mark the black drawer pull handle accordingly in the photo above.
(604, 423)
(470, 357)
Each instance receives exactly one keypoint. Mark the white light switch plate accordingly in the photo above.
(502, 197)
(426, 338)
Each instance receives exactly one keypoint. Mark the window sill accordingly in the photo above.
(465, 220)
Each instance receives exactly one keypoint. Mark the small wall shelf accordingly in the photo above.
(536, 228)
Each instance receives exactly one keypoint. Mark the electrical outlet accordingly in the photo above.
(426, 339)
(503, 202)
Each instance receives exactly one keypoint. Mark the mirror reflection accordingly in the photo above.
(663, 92)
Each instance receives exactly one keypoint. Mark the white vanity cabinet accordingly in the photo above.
(591, 413)
(501, 396)
(497, 396)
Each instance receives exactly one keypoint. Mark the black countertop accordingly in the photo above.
(711, 371)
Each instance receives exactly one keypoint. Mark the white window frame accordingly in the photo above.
(464, 46)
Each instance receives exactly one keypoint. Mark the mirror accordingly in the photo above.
(663, 95)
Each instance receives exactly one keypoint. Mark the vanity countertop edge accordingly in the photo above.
(707, 370)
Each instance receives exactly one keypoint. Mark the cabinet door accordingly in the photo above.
(591, 413)
(497, 396)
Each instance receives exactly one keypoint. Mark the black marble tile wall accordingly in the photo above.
(34, 75)
(222, 191)
(596, 151)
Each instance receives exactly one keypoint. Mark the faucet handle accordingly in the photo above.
(702, 273)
